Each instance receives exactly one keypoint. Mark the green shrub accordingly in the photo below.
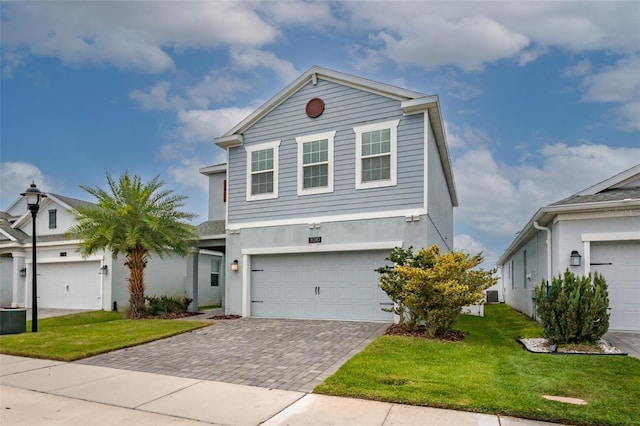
(160, 305)
(432, 287)
(573, 309)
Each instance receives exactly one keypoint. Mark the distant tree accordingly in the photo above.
(134, 218)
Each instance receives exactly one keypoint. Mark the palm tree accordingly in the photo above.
(135, 219)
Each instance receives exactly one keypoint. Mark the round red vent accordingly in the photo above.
(315, 107)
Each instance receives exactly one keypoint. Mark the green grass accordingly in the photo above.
(489, 372)
(76, 336)
(205, 307)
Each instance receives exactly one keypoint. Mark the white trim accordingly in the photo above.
(275, 145)
(425, 166)
(211, 252)
(322, 248)
(586, 257)
(213, 237)
(392, 125)
(9, 236)
(625, 176)
(323, 219)
(95, 258)
(611, 236)
(246, 285)
(301, 140)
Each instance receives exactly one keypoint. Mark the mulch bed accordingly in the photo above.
(225, 317)
(419, 332)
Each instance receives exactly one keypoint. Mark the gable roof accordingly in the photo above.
(411, 103)
(607, 194)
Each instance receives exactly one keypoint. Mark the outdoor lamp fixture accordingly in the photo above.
(575, 258)
(33, 196)
(23, 272)
(103, 270)
(234, 265)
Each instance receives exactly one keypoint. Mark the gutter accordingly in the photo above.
(548, 230)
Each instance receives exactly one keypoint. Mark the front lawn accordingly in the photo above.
(489, 372)
(76, 336)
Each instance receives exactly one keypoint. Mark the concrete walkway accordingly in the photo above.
(626, 341)
(41, 392)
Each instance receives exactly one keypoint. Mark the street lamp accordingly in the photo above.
(33, 196)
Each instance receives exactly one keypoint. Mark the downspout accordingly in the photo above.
(549, 269)
(542, 228)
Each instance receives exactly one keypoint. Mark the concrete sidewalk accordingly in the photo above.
(41, 392)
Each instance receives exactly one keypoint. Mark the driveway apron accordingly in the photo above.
(273, 353)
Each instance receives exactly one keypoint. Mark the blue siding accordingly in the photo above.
(345, 107)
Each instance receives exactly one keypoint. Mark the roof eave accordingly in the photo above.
(546, 214)
(229, 141)
(210, 170)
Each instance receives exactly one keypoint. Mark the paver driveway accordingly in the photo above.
(273, 353)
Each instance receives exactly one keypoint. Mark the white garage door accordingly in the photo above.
(69, 285)
(342, 286)
(619, 262)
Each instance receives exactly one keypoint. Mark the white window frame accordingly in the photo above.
(301, 140)
(393, 172)
(275, 145)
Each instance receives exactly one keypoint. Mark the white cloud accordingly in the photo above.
(188, 175)
(15, 177)
(215, 86)
(469, 43)
(580, 69)
(472, 34)
(249, 58)
(205, 125)
(301, 13)
(498, 199)
(467, 244)
(137, 35)
(157, 97)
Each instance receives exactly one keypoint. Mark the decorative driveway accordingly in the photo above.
(273, 353)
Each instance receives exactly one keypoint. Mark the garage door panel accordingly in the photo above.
(71, 285)
(619, 263)
(321, 285)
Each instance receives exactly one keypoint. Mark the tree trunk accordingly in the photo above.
(136, 262)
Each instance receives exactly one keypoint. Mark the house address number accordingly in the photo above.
(315, 240)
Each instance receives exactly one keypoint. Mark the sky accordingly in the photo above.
(540, 99)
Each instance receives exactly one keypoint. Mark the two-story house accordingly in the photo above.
(322, 181)
(68, 280)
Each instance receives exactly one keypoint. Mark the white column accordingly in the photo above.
(18, 281)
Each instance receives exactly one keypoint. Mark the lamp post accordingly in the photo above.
(33, 196)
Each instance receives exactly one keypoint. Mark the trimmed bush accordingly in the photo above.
(161, 305)
(573, 309)
(432, 287)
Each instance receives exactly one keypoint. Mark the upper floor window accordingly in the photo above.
(53, 219)
(262, 171)
(376, 154)
(315, 163)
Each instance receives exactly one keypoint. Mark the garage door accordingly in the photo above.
(342, 286)
(619, 262)
(69, 285)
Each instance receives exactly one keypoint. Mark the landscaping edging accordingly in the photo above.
(533, 346)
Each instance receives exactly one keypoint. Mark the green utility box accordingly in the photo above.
(13, 321)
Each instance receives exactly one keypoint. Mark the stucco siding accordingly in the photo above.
(217, 203)
(345, 108)
(294, 238)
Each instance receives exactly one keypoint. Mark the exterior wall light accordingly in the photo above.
(23, 272)
(575, 259)
(103, 270)
(234, 265)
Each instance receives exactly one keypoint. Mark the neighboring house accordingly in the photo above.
(322, 181)
(597, 229)
(67, 280)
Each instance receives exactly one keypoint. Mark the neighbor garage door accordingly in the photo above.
(619, 262)
(69, 285)
(342, 286)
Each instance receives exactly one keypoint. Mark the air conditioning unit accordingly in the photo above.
(492, 296)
